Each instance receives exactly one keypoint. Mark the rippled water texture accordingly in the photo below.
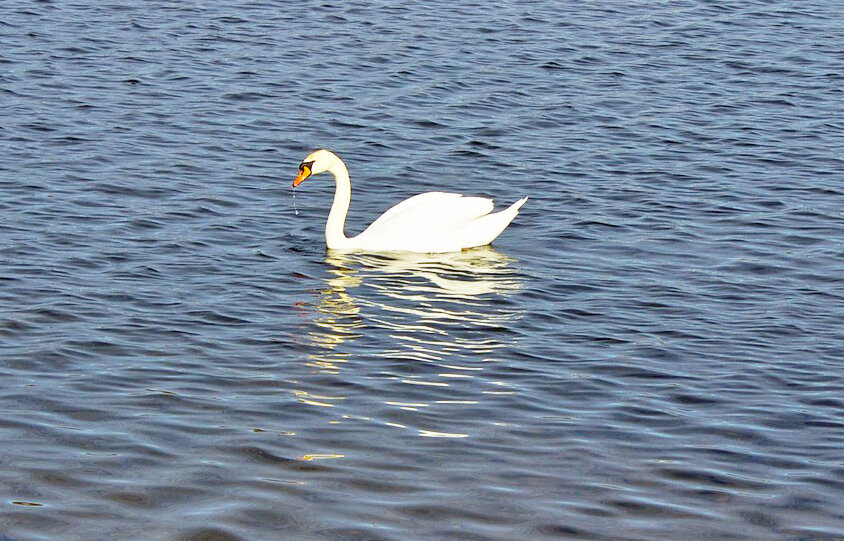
(653, 349)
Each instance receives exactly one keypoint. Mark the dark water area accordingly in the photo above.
(652, 350)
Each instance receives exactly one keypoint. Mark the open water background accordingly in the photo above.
(653, 349)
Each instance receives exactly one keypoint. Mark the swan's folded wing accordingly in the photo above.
(427, 216)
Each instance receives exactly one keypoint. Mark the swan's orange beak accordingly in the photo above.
(304, 173)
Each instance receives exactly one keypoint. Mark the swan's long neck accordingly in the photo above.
(334, 236)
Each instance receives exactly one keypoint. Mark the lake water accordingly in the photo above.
(653, 349)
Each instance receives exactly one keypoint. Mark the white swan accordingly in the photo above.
(433, 222)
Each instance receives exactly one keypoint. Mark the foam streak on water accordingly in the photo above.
(653, 350)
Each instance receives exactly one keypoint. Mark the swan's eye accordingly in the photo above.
(303, 165)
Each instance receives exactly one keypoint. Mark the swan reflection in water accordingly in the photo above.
(431, 320)
(430, 302)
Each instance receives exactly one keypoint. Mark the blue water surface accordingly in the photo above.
(652, 350)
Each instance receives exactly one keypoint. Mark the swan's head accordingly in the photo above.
(316, 163)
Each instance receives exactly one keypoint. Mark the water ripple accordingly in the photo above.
(652, 350)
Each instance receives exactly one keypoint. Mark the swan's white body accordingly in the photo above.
(433, 222)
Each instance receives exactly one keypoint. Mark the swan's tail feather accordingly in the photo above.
(518, 204)
(482, 231)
